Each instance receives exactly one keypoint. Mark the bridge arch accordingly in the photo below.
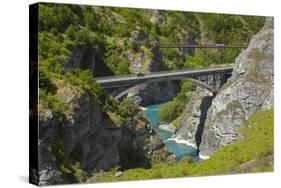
(194, 80)
(202, 84)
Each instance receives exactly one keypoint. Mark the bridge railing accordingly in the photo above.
(174, 45)
(134, 76)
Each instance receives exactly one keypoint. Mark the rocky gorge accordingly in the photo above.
(87, 134)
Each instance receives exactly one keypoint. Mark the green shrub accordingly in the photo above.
(121, 31)
(85, 79)
(70, 169)
(56, 16)
(53, 103)
(123, 67)
(173, 109)
(128, 108)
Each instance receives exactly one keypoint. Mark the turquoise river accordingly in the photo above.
(180, 150)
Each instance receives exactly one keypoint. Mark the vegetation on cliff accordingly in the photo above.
(65, 28)
(252, 153)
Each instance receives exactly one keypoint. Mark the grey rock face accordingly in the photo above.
(82, 57)
(157, 62)
(150, 93)
(192, 122)
(50, 177)
(137, 63)
(118, 174)
(153, 93)
(90, 137)
(248, 90)
(48, 169)
(141, 35)
(156, 18)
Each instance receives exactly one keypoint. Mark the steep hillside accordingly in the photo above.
(85, 136)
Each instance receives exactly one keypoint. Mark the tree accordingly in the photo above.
(171, 111)
(128, 108)
(123, 67)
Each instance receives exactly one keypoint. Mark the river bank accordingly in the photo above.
(178, 149)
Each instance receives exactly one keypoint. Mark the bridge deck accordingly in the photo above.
(118, 81)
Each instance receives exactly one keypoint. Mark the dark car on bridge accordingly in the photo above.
(140, 74)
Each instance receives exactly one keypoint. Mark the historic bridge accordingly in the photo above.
(209, 78)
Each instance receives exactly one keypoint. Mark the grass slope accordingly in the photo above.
(252, 153)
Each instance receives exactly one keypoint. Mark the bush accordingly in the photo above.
(85, 79)
(123, 67)
(173, 109)
(58, 16)
(128, 108)
(70, 169)
(53, 103)
(121, 31)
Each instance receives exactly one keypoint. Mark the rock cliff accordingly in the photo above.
(211, 122)
(150, 93)
(192, 122)
(248, 90)
(89, 135)
(83, 57)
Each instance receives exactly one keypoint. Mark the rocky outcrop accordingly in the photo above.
(141, 36)
(156, 17)
(248, 90)
(146, 94)
(192, 122)
(209, 122)
(156, 63)
(150, 93)
(83, 57)
(92, 137)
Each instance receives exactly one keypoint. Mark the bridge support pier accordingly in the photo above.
(214, 81)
